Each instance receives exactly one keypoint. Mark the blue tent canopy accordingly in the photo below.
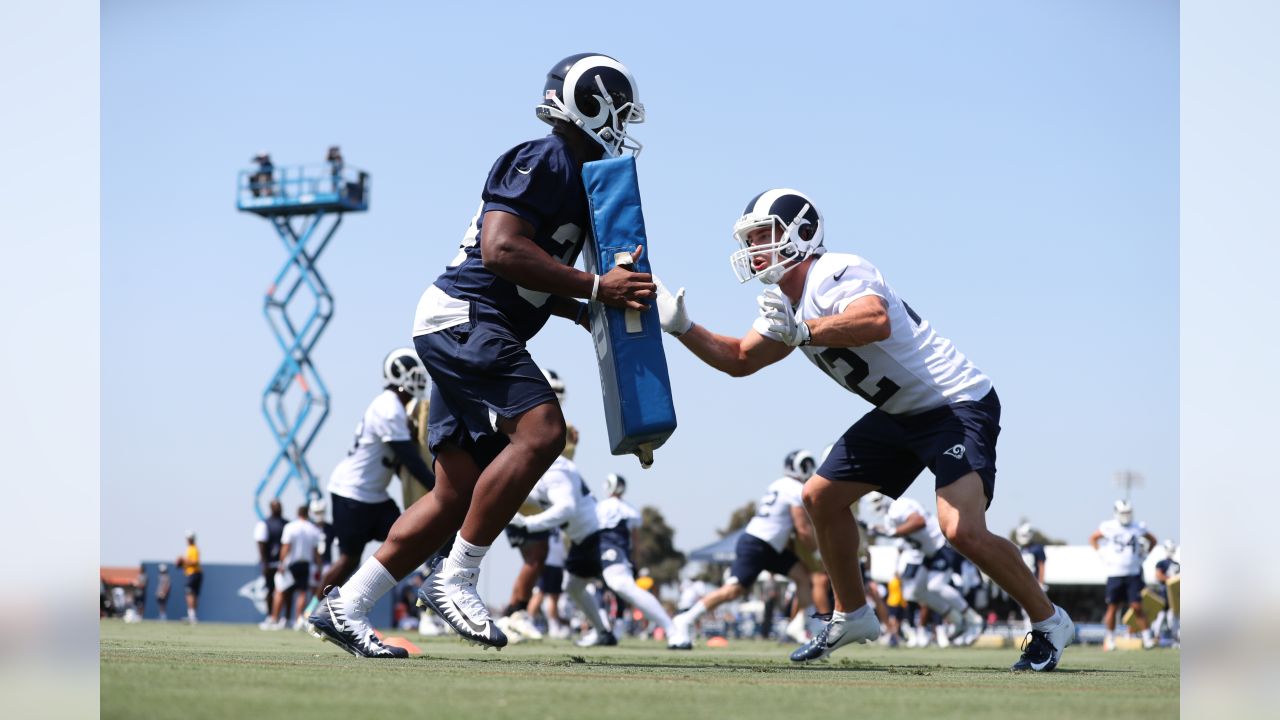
(720, 551)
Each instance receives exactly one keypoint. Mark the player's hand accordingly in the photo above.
(776, 310)
(622, 288)
(672, 313)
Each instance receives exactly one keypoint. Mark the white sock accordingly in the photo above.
(369, 583)
(586, 602)
(837, 616)
(1146, 634)
(618, 578)
(698, 610)
(466, 555)
(1053, 621)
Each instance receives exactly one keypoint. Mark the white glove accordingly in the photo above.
(518, 521)
(671, 310)
(776, 310)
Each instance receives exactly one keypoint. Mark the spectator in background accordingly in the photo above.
(136, 613)
(261, 182)
(1120, 541)
(163, 585)
(267, 534)
(1032, 551)
(190, 564)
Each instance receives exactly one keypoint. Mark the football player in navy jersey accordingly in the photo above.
(494, 424)
(933, 408)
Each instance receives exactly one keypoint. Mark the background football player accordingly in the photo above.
(933, 408)
(763, 546)
(495, 426)
(1119, 541)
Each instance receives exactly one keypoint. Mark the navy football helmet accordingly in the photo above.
(599, 95)
(795, 227)
(403, 370)
(799, 464)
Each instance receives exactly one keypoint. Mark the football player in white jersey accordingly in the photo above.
(300, 546)
(933, 408)
(363, 511)
(1120, 542)
(763, 545)
(926, 567)
(567, 503)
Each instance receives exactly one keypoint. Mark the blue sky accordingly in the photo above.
(1010, 167)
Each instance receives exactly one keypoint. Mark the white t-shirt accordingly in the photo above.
(913, 370)
(1121, 547)
(566, 502)
(772, 522)
(555, 550)
(923, 542)
(613, 511)
(303, 539)
(364, 473)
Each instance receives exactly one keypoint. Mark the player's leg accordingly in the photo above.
(821, 585)
(533, 553)
(619, 579)
(827, 502)
(804, 590)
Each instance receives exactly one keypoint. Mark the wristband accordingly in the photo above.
(595, 288)
(577, 319)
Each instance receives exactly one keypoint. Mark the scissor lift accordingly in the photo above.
(305, 205)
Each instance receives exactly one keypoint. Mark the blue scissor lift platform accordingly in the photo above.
(305, 205)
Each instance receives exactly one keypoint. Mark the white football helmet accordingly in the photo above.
(614, 484)
(599, 95)
(795, 227)
(1124, 512)
(403, 371)
(1024, 534)
(799, 464)
(825, 452)
(557, 385)
(878, 503)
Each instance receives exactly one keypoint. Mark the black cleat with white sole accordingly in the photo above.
(1038, 653)
(332, 622)
(451, 593)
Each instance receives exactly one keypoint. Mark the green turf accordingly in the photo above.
(154, 670)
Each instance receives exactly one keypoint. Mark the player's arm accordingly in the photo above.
(570, 309)
(914, 522)
(407, 455)
(864, 321)
(1094, 538)
(737, 357)
(804, 528)
(1151, 539)
(284, 555)
(509, 251)
(564, 502)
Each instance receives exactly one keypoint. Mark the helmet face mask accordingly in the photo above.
(403, 370)
(1024, 534)
(557, 385)
(1124, 512)
(795, 233)
(615, 484)
(598, 94)
(878, 502)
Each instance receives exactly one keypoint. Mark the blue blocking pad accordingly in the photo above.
(638, 406)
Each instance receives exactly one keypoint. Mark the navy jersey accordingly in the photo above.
(539, 181)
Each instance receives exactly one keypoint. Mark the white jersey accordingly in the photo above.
(555, 550)
(1121, 547)
(922, 543)
(614, 511)
(566, 502)
(913, 370)
(772, 522)
(303, 539)
(364, 473)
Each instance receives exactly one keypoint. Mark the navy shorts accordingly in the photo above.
(597, 551)
(194, 581)
(301, 572)
(752, 555)
(479, 372)
(356, 523)
(890, 451)
(1124, 589)
(551, 581)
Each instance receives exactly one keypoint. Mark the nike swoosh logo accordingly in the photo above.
(477, 629)
(839, 275)
(464, 552)
(523, 171)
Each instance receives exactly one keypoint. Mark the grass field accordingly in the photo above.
(154, 670)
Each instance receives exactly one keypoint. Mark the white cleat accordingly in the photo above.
(681, 632)
(522, 624)
(838, 634)
(451, 593)
(1041, 651)
(796, 628)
